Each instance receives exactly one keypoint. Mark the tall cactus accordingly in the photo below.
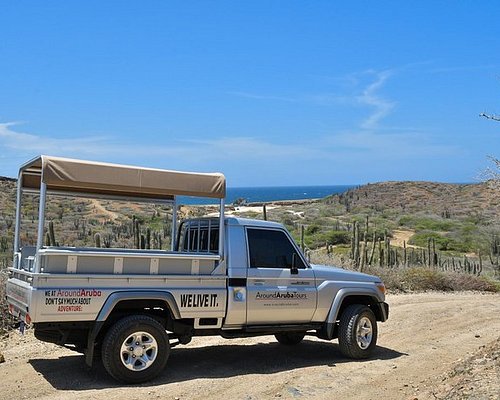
(148, 238)
(362, 261)
(137, 234)
(356, 253)
(97, 239)
(52, 235)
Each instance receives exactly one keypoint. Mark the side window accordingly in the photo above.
(271, 249)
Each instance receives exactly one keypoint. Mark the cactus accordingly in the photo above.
(107, 241)
(302, 237)
(148, 238)
(97, 240)
(363, 254)
(356, 254)
(137, 234)
(52, 235)
(380, 254)
(372, 253)
(405, 259)
(387, 242)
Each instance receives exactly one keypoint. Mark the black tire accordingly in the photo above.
(354, 339)
(152, 337)
(290, 338)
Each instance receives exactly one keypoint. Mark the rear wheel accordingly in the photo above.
(290, 338)
(135, 349)
(357, 331)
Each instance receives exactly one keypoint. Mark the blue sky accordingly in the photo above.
(267, 92)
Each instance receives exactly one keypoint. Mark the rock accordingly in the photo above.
(477, 335)
(2, 358)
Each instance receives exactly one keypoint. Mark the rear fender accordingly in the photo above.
(113, 300)
(117, 297)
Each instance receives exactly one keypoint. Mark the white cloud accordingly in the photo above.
(391, 146)
(26, 143)
(367, 95)
(177, 152)
(370, 97)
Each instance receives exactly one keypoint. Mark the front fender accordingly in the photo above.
(341, 295)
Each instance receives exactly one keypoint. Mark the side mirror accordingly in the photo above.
(293, 269)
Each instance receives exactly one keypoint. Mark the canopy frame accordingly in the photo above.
(71, 177)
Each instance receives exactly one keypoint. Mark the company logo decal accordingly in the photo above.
(281, 296)
(72, 300)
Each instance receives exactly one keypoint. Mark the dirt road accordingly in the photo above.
(426, 336)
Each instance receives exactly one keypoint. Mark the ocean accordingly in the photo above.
(271, 193)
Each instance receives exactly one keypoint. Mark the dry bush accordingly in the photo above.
(423, 279)
(6, 320)
(414, 278)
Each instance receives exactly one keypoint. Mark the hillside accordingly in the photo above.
(456, 219)
(443, 199)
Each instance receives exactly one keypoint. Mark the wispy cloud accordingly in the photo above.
(219, 148)
(318, 99)
(29, 143)
(371, 97)
(396, 146)
(249, 160)
(359, 93)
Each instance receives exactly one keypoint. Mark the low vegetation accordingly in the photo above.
(415, 235)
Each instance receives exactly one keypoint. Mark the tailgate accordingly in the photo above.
(18, 295)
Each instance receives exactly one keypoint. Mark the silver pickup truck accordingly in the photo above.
(224, 276)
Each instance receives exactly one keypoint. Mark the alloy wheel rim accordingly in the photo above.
(138, 351)
(364, 333)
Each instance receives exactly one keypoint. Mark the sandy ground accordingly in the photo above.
(399, 237)
(100, 209)
(426, 337)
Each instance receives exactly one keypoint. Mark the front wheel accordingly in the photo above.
(357, 331)
(135, 349)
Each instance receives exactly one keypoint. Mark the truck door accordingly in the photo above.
(274, 294)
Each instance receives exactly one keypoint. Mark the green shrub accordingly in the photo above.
(443, 243)
(338, 237)
(427, 223)
(312, 229)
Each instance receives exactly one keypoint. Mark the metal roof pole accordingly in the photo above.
(17, 230)
(221, 230)
(174, 224)
(41, 222)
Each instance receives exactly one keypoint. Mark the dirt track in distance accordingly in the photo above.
(426, 336)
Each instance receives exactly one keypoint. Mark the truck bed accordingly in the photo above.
(74, 283)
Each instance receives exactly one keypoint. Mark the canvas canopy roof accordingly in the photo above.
(69, 175)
